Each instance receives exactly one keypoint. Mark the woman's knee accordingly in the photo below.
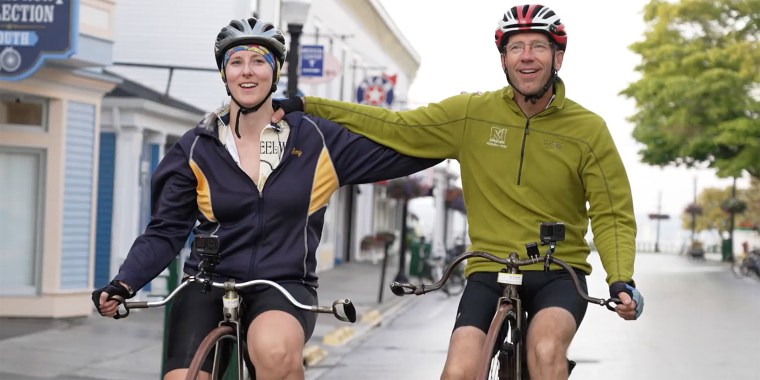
(278, 359)
(275, 343)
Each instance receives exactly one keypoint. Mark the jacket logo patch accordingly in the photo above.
(295, 152)
(498, 137)
(551, 144)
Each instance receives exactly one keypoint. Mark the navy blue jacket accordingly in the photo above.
(271, 234)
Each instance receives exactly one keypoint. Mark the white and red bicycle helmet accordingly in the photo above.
(531, 18)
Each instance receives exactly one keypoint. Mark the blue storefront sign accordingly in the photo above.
(33, 31)
(312, 60)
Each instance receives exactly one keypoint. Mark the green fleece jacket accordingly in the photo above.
(517, 172)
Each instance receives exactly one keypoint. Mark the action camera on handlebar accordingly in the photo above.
(552, 232)
(207, 247)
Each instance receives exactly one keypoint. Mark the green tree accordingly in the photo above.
(698, 97)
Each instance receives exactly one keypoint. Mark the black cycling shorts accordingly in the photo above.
(194, 314)
(539, 290)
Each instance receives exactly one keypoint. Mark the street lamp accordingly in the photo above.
(294, 12)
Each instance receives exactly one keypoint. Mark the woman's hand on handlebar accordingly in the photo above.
(108, 298)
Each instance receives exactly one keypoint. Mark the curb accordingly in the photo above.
(314, 354)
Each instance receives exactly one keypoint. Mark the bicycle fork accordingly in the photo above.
(231, 307)
(512, 353)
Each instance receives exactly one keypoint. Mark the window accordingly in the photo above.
(22, 171)
(19, 111)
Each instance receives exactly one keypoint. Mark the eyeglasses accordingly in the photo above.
(536, 47)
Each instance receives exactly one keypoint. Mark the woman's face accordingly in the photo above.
(249, 77)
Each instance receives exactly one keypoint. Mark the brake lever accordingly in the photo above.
(122, 305)
(611, 301)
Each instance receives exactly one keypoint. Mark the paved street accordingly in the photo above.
(699, 323)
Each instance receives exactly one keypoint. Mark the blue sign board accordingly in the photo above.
(32, 31)
(312, 60)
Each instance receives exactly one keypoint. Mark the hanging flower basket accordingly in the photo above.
(407, 188)
(737, 206)
(693, 209)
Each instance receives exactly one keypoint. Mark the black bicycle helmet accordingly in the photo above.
(250, 31)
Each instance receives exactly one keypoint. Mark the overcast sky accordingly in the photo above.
(454, 39)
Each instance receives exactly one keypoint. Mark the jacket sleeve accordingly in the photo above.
(173, 215)
(610, 207)
(434, 131)
(359, 160)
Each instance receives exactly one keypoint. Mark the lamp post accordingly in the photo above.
(658, 216)
(294, 12)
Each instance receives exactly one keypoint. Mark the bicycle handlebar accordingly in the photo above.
(401, 289)
(347, 306)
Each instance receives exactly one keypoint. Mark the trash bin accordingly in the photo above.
(415, 264)
(420, 251)
(727, 250)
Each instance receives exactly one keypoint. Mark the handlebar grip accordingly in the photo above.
(398, 288)
(350, 311)
(343, 310)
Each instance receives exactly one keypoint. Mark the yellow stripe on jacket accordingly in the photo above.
(325, 182)
(203, 191)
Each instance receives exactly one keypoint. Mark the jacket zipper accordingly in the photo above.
(276, 170)
(522, 151)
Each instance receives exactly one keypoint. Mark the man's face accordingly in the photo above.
(527, 60)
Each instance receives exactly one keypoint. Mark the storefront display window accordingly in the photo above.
(22, 171)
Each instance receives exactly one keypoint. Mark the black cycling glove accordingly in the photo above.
(115, 290)
(291, 104)
(629, 288)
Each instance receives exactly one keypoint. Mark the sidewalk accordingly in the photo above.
(100, 348)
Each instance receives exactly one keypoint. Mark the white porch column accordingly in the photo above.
(126, 203)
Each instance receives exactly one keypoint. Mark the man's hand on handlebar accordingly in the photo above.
(631, 301)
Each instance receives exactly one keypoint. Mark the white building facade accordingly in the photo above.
(143, 73)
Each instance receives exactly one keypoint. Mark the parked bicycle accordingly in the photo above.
(229, 338)
(748, 265)
(503, 355)
(434, 266)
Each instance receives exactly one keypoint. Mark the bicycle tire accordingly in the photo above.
(489, 367)
(455, 285)
(208, 344)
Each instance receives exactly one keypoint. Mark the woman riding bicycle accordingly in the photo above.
(258, 193)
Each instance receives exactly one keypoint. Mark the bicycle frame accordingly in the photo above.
(231, 316)
(509, 302)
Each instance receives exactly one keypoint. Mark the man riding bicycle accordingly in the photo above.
(528, 154)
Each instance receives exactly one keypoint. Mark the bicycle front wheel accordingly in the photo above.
(217, 341)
